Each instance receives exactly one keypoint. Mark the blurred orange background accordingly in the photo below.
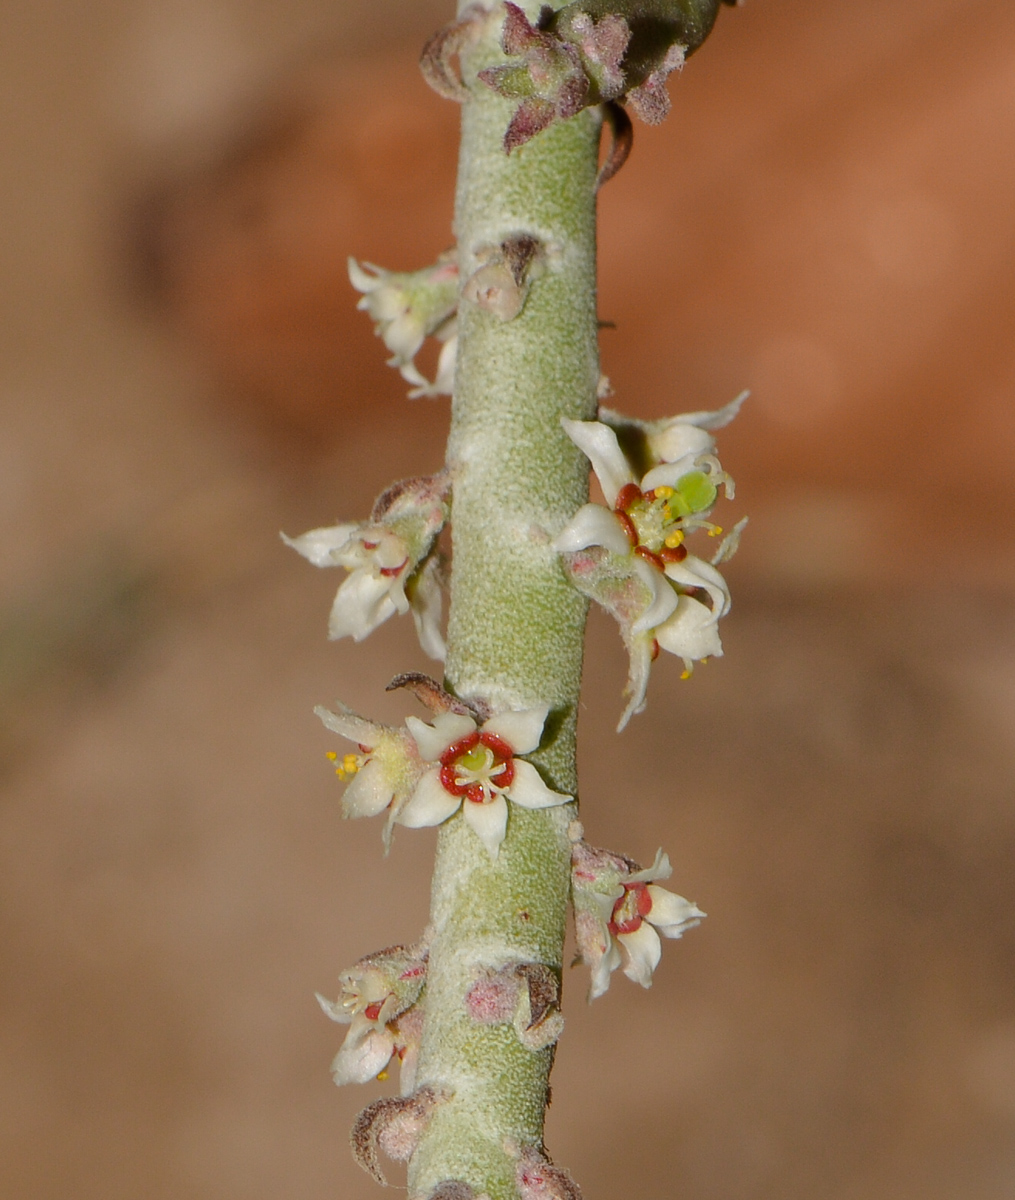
(827, 219)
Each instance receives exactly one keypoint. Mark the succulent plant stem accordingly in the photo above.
(516, 625)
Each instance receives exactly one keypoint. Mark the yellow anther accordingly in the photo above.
(715, 531)
(685, 674)
(383, 1075)
(664, 493)
(675, 539)
(350, 765)
(332, 755)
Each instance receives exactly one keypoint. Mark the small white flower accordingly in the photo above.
(621, 913)
(375, 993)
(643, 534)
(388, 560)
(476, 768)
(385, 772)
(409, 307)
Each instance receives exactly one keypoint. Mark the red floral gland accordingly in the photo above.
(631, 909)
(631, 496)
(476, 765)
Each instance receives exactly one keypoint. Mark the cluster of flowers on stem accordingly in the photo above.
(392, 561)
(587, 53)
(424, 774)
(660, 480)
(621, 912)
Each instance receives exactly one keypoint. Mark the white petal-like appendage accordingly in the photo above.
(360, 279)
(369, 793)
(679, 440)
(592, 525)
(320, 545)
(603, 969)
(427, 603)
(691, 632)
(364, 1058)
(488, 821)
(642, 952)
(429, 804)
(695, 572)
(672, 914)
(528, 789)
(639, 650)
(361, 604)
(664, 598)
(444, 383)
(668, 474)
(404, 335)
(350, 725)
(730, 544)
(599, 444)
(660, 869)
(434, 739)
(333, 1011)
(715, 418)
(522, 730)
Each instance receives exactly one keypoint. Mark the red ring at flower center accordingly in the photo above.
(629, 494)
(391, 572)
(631, 909)
(501, 773)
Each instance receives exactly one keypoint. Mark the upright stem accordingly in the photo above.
(516, 625)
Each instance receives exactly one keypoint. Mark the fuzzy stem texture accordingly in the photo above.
(516, 625)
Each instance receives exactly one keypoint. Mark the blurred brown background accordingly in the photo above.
(827, 218)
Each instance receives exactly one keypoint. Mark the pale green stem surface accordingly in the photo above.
(516, 625)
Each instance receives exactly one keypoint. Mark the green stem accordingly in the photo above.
(516, 626)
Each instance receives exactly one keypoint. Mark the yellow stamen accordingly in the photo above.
(715, 531)
(350, 765)
(383, 1075)
(332, 755)
(685, 675)
(664, 493)
(675, 539)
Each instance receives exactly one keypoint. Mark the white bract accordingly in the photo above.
(646, 578)
(389, 560)
(409, 307)
(476, 768)
(620, 913)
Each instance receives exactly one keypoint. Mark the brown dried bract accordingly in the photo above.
(543, 989)
(621, 142)
(437, 60)
(501, 283)
(418, 491)
(430, 694)
(393, 1125)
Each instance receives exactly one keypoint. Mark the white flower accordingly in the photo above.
(407, 308)
(643, 534)
(477, 769)
(621, 912)
(374, 993)
(385, 772)
(389, 562)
